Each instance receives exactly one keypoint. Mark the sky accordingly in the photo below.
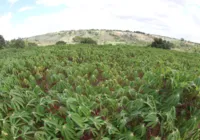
(173, 18)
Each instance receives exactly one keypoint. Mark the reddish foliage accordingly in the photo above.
(24, 85)
(112, 89)
(10, 109)
(141, 74)
(153, 132)
(99, 78)
(185, 107)
(121, 82)
(96, 112)
(53, 84)
(164, 83)
(63, 116)
(43, 82)
(103, 118)
(130, 78)
(87, 136)
(53, 108)
(46, 88)
(70, 58)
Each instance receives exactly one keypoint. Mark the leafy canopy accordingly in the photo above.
(84, 40)
(160, 43)
(61, 43)
(2, 42)
(17, 43)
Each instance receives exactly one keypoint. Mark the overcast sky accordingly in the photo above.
(174, 18)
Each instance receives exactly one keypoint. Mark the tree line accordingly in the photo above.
(20, 43)
(79, 40)
(15, 43)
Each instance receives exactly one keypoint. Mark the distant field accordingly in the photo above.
(96, 92)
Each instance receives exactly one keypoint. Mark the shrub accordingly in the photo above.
(139, 32)
(61, 43)
(31, 44)
(84, 40)
(160, 43)
(77, 39)
(2, 42)
(88, 41)
(6, 43)
(17, 43)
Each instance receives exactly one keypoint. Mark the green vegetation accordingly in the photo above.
(160, 43)
(88, 41)
(84, 40)
(91, 92)
(2, 42)
(182, 39)
(17, 43)
(30, 44)
(61, 43)
(77, 39)
(139, 32)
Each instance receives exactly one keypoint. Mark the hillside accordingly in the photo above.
(104, 37)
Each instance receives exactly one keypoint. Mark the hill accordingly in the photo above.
(105, 37)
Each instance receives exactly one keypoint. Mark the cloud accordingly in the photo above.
(76, 3)
(50, 2)
(175, 18)
(12, 1)
(26, 8)
(66, 19)
(165, 17)
(6, 26)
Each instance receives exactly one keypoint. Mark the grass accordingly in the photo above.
(99, 92)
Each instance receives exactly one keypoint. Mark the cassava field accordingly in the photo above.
(82, 92)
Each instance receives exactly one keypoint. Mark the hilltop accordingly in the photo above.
(105, 37)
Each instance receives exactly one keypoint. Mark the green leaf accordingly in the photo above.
(151, 119)
(97, 122)
(76, 118)
(175, 135)
(68, 132)
(140, 130)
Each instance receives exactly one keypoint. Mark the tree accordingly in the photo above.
(160, 43)
(61, 43)
(182, 39)
(17, 43)
(84, 40)
(7, 43)
(139, 32)
(88, 41)
(2, 42)
(31, 44)
(77, 39)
